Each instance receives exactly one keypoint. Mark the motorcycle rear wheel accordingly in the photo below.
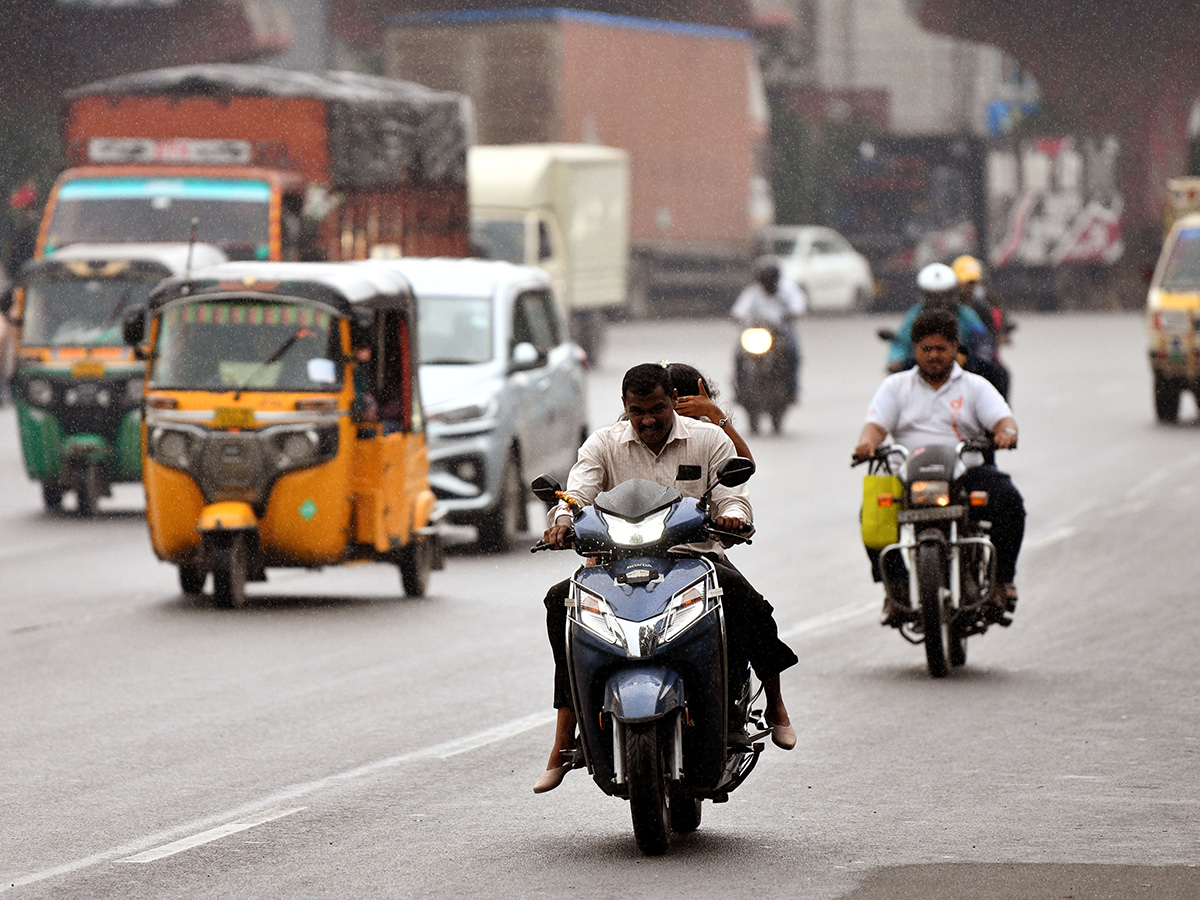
(931, 578)
(647, 791)
(685, 813)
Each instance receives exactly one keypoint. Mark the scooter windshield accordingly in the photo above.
(231, 345)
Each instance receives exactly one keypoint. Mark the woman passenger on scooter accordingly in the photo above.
(698, 400)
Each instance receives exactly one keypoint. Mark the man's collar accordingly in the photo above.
(956, 372)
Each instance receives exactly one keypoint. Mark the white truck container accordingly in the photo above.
(563, 208)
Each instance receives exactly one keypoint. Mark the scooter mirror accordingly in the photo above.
(546, 488)
(735, 471)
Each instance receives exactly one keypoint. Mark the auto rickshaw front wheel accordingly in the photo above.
(52, 496)
(416, 561)
(191, 579)
(230, 560)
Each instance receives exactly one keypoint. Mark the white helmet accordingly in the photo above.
(936, 278)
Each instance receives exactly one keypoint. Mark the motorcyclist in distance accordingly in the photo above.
(773, 303)
(974, 292)
(938, 286)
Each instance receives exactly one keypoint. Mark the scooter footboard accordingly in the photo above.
(643, 694)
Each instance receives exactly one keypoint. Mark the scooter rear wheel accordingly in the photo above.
(647, 791)
(685, 813)
(931, 578)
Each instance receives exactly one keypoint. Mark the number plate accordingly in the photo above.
(87, 368)
(233, 417)
(931, 514)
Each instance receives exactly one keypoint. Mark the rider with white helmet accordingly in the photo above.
(938, 286)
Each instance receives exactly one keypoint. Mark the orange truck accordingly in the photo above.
(264, 163)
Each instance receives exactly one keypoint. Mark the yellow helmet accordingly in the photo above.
(968, 269)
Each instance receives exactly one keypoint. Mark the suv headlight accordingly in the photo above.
(687, 608)
(465, 412)
(634, 534)
(930, 493)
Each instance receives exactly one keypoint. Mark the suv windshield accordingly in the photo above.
(80, 312)
(226, 345)
(1182, 271)
(232, 213)
(454, 330)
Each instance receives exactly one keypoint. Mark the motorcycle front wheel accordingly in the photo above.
(647, 791)
(931, 579)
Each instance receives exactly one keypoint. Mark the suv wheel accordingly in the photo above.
(501, 525)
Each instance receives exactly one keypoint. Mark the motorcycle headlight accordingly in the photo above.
(930, 493)
(597, 617)
(39, 392)
(686, 609)
(756, 341)
(634, 534)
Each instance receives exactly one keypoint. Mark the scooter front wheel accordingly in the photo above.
(647, 790)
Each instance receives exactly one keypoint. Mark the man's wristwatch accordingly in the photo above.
(721, 423)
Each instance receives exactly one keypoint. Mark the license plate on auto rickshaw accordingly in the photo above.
(232, 417)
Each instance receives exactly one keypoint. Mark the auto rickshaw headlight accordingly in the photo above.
(133, 390)
(103, 397)
(39, 392)
(298, 447)
(71, 397)
(171, 448)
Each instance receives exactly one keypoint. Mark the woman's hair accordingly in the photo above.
(684, 379)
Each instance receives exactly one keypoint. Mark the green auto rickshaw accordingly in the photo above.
(76, 386)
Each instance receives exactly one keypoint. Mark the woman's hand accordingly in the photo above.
(700, 405)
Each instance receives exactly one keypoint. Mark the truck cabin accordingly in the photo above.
(249, 214)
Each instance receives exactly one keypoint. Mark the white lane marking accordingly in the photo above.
(443, 750)
(1051, 537)
(830, 619)
(213, 834)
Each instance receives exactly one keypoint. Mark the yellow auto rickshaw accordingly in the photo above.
(283, 423)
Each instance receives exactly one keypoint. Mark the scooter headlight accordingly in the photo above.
(930, 493)
(635, 534)
(756, 341)
(687, 608)
(597, 617)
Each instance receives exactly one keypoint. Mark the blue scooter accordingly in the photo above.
(665, 717)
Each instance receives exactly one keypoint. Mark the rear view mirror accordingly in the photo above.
(133, 327)
(735, 471)
(546, 488)
(886, 334)
(524, 356)
(6, 301)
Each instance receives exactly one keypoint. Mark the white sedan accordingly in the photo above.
(833, 274)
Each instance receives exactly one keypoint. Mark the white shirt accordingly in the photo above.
(756, 306)
(907, 407)
(615, 453)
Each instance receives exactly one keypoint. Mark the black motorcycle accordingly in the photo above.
(950, 560)
(763, 365)
(666, 718)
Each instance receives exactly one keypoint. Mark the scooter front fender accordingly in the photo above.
(643, 694)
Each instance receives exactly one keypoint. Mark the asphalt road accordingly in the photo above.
(334, 740)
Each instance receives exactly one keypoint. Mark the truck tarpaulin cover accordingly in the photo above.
(381, 132)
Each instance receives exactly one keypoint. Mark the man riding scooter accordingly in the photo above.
(658, 445)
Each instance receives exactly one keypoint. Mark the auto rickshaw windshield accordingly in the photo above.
(1182, 271)
(224, 345)
(79, 312)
